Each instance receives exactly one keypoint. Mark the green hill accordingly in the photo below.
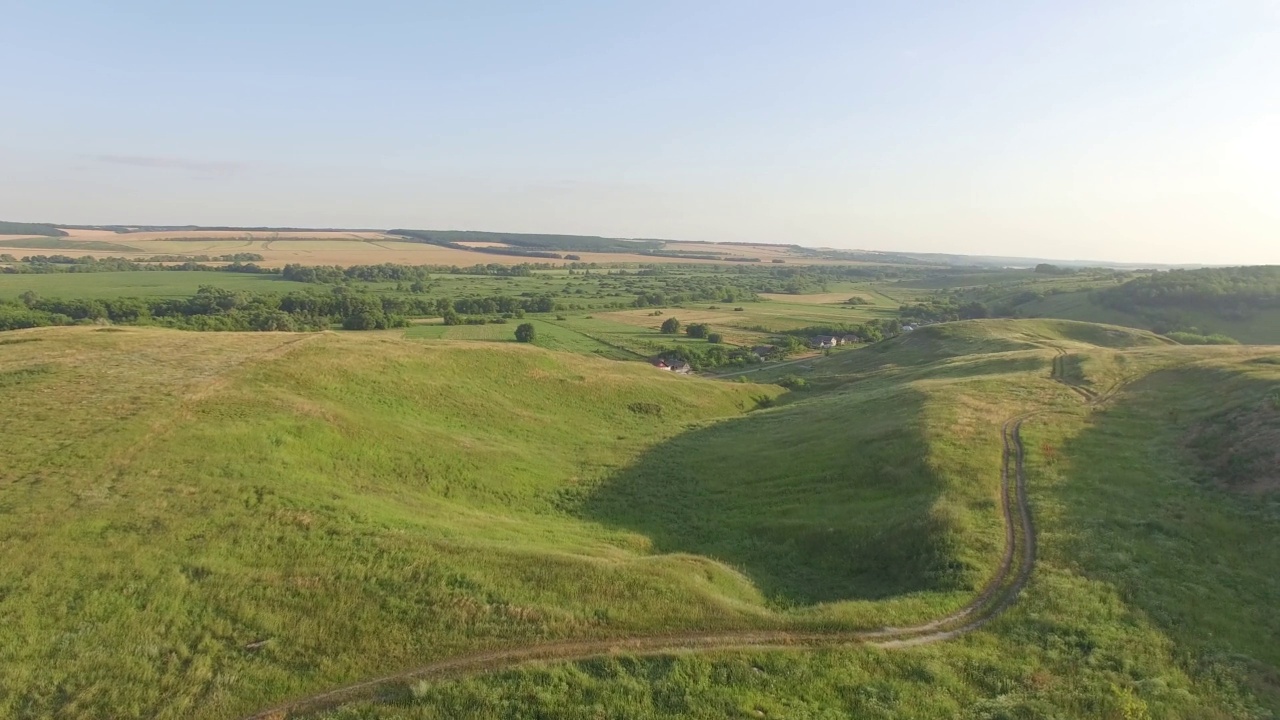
(205, 525)
(42, 229)
(1242, 303)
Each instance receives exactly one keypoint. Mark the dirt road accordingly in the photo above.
(996, 597)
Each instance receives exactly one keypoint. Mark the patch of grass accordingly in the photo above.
(104, 285)
(23, 375)
(61, 243)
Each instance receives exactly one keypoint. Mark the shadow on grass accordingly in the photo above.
(1152, 505)
(821, 500)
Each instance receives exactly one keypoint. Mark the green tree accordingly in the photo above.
(526, 333)
(670, 326)
(715, 338)
(697, 330)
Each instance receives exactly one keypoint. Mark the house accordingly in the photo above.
(850, 339)
(675, 366)
(764, 351)
(823, 342)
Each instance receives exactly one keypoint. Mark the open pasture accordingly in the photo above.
(263, 516)
(102, 285)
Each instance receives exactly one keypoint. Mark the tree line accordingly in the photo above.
(214, 308)
(52, 264)
(1235, 293)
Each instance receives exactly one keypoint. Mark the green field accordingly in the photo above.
(156, 283)
(206, 524)
(58, 243)
(550, 335)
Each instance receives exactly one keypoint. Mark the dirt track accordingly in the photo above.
(996, 597)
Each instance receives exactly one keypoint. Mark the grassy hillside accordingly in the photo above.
(202, 525)
(17, 228)
(257, 516)
(1156, 577)
(1242, 303)
(1261, 327)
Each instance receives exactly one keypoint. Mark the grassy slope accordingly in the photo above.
(1262, 329)
(1152, 597)
(360, 503)
(355, 502)
(20, 228)
(363, 504)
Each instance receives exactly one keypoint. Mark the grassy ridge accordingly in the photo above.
(254, 517)
(1263, 327)
(1152, 597)
(42, 229)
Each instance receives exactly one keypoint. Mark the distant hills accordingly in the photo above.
(530, 244)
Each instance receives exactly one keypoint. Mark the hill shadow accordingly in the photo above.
(1150, 507)
(816, 501)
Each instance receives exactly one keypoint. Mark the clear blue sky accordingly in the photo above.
(1145, 131)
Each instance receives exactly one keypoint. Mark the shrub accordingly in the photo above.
(739, 309)
(715, 338)
(1190, 338)
(794, 382)
(697, 330)
(526, 333)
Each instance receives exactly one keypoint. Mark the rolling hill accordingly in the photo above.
(1242, 303)
(206, 525)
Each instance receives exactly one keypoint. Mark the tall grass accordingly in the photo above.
(201, 525)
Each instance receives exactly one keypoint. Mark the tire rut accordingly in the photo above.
(997, 596)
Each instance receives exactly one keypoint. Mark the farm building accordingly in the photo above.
(675, 366)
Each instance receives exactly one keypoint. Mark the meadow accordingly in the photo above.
(1152, 592)
(104, 285)
(206, 524)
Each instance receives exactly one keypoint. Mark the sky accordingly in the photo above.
(1143, 131)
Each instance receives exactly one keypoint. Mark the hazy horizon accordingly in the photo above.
(1120, 132)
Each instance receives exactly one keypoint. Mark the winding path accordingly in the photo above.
(997, 596)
